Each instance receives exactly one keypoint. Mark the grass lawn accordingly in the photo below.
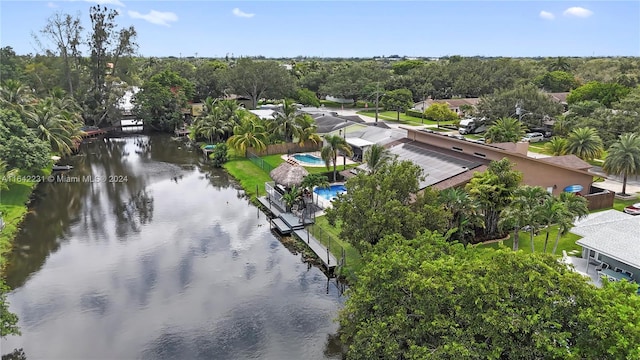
(248, 174)
(621, 204)
(567, 242)
(13, 208)
(330, 235)
(336, 105)
(404, 119)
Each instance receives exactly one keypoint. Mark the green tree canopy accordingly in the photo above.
(8, 320)
(440, 112)
(535, 103)
(380, 204)
(556, 81)
(584, 143)
(258, 79)
(403, 67)
(20, 148)
(427, 299)
(505, 130)
(307, 97)
(623, 158)
(356, 80)
(158, 106)
(604, 93)
(492, 190)
(397, 100)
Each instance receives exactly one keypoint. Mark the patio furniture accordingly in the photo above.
(613, 275)
(603, 266)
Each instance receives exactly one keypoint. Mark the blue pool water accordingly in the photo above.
(330, 192)
(309, 159)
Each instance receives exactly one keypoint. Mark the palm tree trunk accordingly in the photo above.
(546, 239)
(335, 160)
(624, 184)
(555, 246)
(533, 247)
(516, 238)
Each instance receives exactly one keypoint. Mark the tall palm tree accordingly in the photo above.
(305, 129)
(528, 200)
(575, 207)
(556, 146)
(550, 211)
(249, 133)
(210, 124)
(623, 158)
(464, 213)
(286, 118)
(59, 128)
(506, 130)
(584, 143)
(232, 113)
(312, 180)
(15, 95)
(376, 156)
(329, 152)
(560, 64)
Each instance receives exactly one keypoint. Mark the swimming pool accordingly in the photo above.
(331, 192)
(308, 159)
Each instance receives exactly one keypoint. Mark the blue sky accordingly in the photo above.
(352, 29)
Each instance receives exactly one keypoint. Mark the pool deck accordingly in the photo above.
(341, 159)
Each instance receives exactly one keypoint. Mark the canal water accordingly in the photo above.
(143, 252)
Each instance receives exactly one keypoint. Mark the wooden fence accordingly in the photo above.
(600, 198)
(287, 148)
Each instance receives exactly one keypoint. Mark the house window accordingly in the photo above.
(456, 148)
(479, 154)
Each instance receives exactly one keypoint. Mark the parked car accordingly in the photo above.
(533, 137)
(633, 209)
(544, 131)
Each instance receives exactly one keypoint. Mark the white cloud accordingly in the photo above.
(51, 5)
(547, 15)
(578, 12)
(239, 13)
(107, 2)
(155, 17)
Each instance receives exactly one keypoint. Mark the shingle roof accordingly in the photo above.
(613, 234)
(570, 161)
(559, 97)
(328, 123)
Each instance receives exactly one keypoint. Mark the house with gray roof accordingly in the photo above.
(610, 243)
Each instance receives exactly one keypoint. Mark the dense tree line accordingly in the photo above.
(425, 298)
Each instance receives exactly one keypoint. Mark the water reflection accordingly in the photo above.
(170, 264)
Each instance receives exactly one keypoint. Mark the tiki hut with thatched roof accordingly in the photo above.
(289, 173)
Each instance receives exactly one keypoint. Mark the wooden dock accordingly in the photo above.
(287, 223)
(269, 206)
(328, 260)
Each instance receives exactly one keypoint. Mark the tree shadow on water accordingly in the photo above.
(16, 354)
(333, 347)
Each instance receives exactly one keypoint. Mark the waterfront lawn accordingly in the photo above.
(567, 242)
(13, 209)
(353, 258)
(248, 174)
